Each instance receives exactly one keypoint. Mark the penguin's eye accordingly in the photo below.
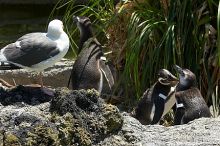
(166, 77)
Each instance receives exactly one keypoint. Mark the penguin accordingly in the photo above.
(190, 104)
(90, 68)
(157, 100)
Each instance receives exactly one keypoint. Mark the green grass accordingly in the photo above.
(159, 39)
(100, 12)
(218, 29)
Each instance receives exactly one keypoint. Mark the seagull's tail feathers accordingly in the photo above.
(2, 56)
(8, 66)
(4, 64)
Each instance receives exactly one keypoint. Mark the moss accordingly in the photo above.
(65, 126)
(70, 132)
(93, 92)
(83, 137)
(11, 140)
(42, 136)
(113, 118)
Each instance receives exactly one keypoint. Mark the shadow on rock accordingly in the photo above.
(24, 94)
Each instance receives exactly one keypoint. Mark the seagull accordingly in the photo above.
(36, 51)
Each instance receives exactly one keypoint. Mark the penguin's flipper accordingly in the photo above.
(179, 115)
(159, 108)
(142, 111)
(107, 72)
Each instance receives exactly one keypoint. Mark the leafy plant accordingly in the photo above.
(100, 12)
(164, 33)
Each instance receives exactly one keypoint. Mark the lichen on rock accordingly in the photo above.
(28, 117)
(93, 119)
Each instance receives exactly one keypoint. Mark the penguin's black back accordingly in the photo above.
(194, 105)
(85, 72)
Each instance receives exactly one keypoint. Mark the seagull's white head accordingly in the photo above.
(55, 28)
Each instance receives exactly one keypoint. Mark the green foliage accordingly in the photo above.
(144, 50)
(218, 28)
(100, 12)
(162, 35)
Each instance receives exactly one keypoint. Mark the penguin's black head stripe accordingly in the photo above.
(166, 78)
(82, 20)
(187, 78)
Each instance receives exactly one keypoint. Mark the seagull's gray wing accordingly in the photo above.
(31, 49)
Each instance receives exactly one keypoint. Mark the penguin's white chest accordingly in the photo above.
(152, 112)
(100, 82)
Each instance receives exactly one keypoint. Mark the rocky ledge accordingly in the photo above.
(56, 76)
(200, 132)
(28, 117)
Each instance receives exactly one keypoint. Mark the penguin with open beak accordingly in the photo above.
(190, 104)
(90, 67)
(157, 100)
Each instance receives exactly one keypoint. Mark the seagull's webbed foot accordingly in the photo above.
(44, 89)
(6, 84)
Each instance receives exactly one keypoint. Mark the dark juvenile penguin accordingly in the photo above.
(89, 68)
(157, 100)
(189, 101)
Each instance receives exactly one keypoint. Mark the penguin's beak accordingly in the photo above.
(178, 69)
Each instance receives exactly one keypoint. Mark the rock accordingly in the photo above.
(203, 132)
(69, 118)
(55, 76)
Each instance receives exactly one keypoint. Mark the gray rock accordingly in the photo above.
(55, 76)
(201, 132)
